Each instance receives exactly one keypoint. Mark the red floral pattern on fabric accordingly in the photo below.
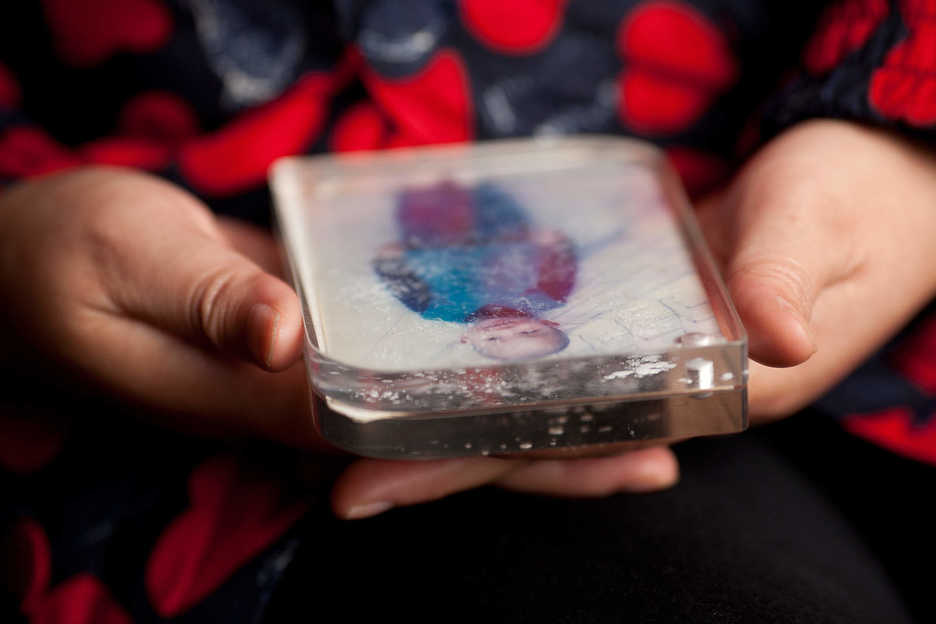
(82, 599)
(514, 27)
(232, 517)
(10, 94)
(28, 563)
(904, 87)
(158, 116)
(843, 28)
(362, 127)
(87, 32)
(434, 106)
(29, 441)
(676, 64)
(898, 428)
(27, 151)
(700, 171)
(916, 357)
(895, 430)
(126, 152)
(237, 157)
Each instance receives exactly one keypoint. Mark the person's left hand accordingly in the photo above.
(826, 241)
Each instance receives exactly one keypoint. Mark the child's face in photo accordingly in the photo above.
(516, 338)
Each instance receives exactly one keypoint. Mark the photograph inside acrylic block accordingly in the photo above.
(485, 278)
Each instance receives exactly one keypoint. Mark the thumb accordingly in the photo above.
(777, 261)
(185, 277)
(774, 293)
(232, 303)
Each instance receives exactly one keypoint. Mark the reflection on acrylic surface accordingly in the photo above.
(467, 274)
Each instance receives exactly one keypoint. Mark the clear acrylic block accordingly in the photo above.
(507, 297)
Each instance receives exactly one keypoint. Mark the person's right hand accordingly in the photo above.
(825, 238)
(120, 280)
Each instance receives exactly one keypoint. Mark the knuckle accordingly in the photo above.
(207, 302)
(782, 272)
(214, 298)
(104, 238)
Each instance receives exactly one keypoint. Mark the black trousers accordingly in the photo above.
(793, 522)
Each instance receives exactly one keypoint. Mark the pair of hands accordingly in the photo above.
(126, 281)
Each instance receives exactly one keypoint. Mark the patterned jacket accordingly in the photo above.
(209, 92)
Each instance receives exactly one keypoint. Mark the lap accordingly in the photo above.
(792, 522)
(745, 536)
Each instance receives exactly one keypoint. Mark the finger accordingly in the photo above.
(369, 486)
(643, 470)
(774, 295)
(779, 392)
(215, 294)
(191, 388)
(777, 258)
(185, 277)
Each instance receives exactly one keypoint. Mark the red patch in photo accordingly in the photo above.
(843, 28)
(676, 63)
(232, 516)
(361, 127)
(27, 562)
(90, 31)
(82, 599)
(126, 152)
(237, 156)
(434, 106)
(904, 87)
(700, 172)
(895, 430)
(516, 27)
(158, 116)
(915, 358)
(28, 151)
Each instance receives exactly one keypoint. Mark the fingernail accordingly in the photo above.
(261, 332)
(367, 510)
